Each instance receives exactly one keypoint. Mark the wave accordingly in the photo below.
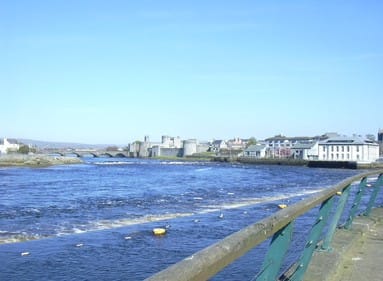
(203, 169)
(16, 237)
(13, 237)
(106, 163)
(65, 229)
(184, 163)
(149, 162)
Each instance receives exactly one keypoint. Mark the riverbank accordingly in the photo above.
(36, 160)
(300, 162)
(285, 162)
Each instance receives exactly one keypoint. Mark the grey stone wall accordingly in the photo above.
(171, 152)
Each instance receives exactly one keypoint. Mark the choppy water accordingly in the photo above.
(94, 220)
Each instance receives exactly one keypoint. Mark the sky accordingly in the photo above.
(114, 71)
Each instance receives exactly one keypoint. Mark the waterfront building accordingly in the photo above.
(217, 145)
(8, 145)
(343, 148)
(237, 143)
(305, 150)
(295, 147)
(257, 151)
(280, 146)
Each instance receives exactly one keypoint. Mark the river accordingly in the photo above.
(95, 220)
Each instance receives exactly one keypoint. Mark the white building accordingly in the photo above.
(348, 149)
(281, 146)
(217, 145)
(305, 151)
(256, 151)
(7, 145)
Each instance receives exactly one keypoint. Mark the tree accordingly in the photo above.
(252, 141)
(24, 149)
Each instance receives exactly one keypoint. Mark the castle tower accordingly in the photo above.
(144, 147)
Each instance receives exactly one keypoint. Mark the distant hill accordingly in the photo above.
(61, 145)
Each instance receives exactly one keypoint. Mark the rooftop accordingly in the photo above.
(347, 140)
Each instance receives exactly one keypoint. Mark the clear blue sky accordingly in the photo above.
(114, 71)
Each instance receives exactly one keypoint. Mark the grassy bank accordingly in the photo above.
(36, 160)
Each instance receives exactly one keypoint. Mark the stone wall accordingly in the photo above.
(171, 152)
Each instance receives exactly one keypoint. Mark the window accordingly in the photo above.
(332, 148)
(348, 148)
(342, 148)
(337, 148)
(357, 148)
(324, 148)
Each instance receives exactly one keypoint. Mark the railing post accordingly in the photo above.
(326, 246)
(355, 205)
(313, 239)
(277, 250)
(374, 193)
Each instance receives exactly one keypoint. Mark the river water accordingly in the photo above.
(95, 220)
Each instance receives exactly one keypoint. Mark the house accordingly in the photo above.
(217, 145)
(8, 145)
(237, 143)
(256, 151)
(305, 150)
(343, 148)
(282, 147)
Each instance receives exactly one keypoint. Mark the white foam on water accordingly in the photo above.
(107, 163)
(123, 222)
(203, 169)
(180, 163)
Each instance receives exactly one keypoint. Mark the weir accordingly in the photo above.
(332, 204)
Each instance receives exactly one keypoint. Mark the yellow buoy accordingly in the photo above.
(282, 206)
(159, 231)
(339, 193)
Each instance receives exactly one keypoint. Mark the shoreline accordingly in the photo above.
(36, 160)
(299, 162)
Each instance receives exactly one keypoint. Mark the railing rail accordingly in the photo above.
(209, 261)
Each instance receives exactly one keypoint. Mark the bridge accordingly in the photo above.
(87, 152)
(334, 250)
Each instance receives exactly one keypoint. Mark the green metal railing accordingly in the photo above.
(209, 261)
